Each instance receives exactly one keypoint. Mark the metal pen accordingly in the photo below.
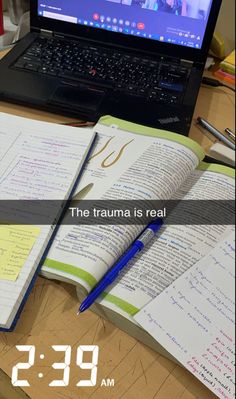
(230, 133)
(211, 129)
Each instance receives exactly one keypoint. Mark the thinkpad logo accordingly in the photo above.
(165, 121)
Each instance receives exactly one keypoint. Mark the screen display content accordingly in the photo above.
(180, 22)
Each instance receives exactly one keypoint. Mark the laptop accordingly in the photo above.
(139, 60)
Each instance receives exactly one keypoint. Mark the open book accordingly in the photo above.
(38, 161)
(140, 163)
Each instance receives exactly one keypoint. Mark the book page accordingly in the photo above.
(118, 150)
(38, 161)
(123, 166)
(7, 141)
(194, 319)
(176, 248)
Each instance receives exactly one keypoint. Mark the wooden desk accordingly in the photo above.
(49, 318)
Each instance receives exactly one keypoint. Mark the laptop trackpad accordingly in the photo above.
(81, 97)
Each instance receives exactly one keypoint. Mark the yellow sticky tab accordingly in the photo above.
(231, 58)
(16, 243)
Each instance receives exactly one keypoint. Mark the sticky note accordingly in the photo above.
(16, 243)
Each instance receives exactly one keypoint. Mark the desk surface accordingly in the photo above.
(49, 317)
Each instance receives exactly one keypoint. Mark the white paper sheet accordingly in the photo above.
(194, 319)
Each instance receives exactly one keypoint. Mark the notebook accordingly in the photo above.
(139, 60)
(194, 319)
(39, 162)
(133, 162)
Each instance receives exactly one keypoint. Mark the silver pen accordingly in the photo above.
(230, 133)
(211, 129)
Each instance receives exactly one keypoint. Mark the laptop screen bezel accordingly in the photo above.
(131, 42)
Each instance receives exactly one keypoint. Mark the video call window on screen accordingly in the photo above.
(179, 22)
(197, 9)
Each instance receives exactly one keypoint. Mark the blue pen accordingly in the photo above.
(148, 233)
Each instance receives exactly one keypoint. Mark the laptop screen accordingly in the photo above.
(180, 22)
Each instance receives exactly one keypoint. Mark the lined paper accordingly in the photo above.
(194, 319)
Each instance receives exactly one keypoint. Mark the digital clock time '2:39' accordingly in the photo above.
(64, 366)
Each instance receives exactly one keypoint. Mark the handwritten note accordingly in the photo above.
(38, 160)
(194, 319)
(16, 243)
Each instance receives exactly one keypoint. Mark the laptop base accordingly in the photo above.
(90, 100)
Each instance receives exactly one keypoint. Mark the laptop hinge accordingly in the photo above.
(46, 32)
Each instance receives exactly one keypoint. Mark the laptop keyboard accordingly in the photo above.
(156, 80)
